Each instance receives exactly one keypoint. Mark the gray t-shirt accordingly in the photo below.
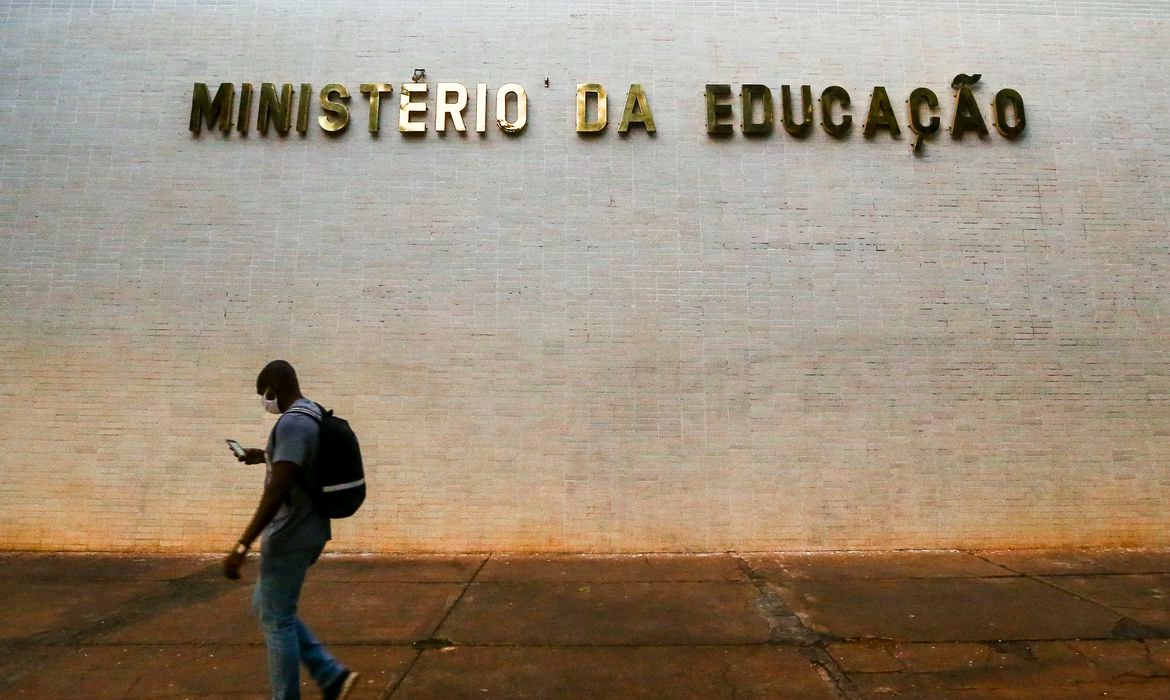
(296, 525)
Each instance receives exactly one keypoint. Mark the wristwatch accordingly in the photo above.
(241, 548)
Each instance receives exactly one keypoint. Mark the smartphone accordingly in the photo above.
(236, 447)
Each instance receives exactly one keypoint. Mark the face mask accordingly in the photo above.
(271, 405)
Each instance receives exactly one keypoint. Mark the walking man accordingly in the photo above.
(294, 535)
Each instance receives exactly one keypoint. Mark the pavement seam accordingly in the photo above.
(414, 644)
(1124, 624)
(786, 627)
(594, 582)
(1061, 574)
(398, 683)
(1107, 574)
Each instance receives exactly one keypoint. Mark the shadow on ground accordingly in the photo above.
(937, 624)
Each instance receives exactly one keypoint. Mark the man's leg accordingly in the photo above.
(324, 669)
(275, 603)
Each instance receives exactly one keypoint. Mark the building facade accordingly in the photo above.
(553, 339)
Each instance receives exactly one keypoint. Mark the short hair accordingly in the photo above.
(277, 374)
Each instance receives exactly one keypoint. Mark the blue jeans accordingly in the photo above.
(289, 641)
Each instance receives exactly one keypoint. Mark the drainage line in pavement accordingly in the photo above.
(787, 628)
(433, 642)
(1125, 628)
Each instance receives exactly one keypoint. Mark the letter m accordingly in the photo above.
(203, 108)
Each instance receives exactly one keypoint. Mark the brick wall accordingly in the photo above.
(551, 342)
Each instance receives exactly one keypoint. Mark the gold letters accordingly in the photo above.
(481, 108)
(1003, 98)
(511, 127)
(835, 93)
(511, 109)
(584, 90)
(375, 91)
(806, 108)
(245, 118)
(280, 111)
(749, 95)
(341, 112)
(718, 111)
(217, 110)
(303, 108)
(881, 114)
(967, 115)
(637, 111)
(923, 96)
(408, 106)
(443, 108)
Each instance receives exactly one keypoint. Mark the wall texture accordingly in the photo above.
(550, 342)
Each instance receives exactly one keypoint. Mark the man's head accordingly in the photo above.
(278, 382)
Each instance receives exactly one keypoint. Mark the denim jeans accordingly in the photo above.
(289, 641)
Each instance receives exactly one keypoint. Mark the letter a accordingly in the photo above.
(637, 111)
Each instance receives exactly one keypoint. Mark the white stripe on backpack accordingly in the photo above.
(342, 487)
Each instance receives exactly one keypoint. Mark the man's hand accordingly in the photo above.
(252, 455)
(284, 475)
(231, 565)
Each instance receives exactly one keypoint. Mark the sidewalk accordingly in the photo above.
(940, 624)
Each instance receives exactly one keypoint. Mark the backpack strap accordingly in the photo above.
(306, 412)
(317, 417)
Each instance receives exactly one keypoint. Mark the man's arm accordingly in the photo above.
(283, 478)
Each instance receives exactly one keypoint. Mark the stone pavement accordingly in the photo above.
(938, 624)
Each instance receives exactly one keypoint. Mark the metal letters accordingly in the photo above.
(806, 107)
(516, 126)
(835, 93)
(408, 106)
(584, 90)
(303, 108)
(749, 95)
(481, 108)
(923, 96)
(718, 111)
(217, 110)
(881, 114)
(375, 91)
(279, 110)
(340, 120)
(1003, 99)
(637, 111)
(451, 103)
(244, 120)
(919, 97)
(444, 108)
(967, 114)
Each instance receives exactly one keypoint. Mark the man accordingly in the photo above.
(294, 535)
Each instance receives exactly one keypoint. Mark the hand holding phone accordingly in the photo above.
(247, 455)
(237, 448)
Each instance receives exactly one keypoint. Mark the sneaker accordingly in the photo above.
(340, 688)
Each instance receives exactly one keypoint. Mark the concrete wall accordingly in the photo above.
(549, 342)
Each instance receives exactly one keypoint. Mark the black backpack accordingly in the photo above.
(336, 481)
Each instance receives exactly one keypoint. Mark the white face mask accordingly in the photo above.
(271, 405)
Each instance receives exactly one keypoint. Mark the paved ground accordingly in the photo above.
(946, 624)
